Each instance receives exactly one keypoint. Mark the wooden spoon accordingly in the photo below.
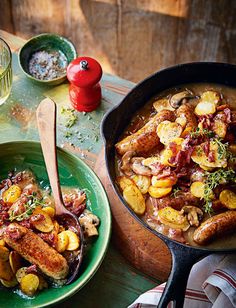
(46, 119)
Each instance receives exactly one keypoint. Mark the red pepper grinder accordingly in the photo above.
(84, 74)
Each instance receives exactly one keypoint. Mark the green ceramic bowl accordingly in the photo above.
(46, 42)
(73, 172)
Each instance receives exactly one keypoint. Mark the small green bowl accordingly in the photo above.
(46, 42)
(73, 172)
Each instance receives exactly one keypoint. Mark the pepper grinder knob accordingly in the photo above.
(84, 74)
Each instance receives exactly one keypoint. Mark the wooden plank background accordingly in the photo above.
(132, 38)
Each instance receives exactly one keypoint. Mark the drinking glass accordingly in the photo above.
(5, 71)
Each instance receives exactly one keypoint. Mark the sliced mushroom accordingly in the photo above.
(139, 168)
(176, 99)
(126, 163)
(89, 222)
(193, 214)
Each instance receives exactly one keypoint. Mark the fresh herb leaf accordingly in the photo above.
(213, 179)
(202, 132)
(223, 148)
(175, 192)
(71, 116)
(29, 206)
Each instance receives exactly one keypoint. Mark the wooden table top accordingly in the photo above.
(116, 283)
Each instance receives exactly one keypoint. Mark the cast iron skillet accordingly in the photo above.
(115, 122)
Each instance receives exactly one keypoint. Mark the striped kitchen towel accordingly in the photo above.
(211, 284)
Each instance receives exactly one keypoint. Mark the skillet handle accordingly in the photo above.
(183, 258)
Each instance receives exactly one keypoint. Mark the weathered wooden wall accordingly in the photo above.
(132, 38)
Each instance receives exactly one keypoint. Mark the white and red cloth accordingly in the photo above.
(211, 284)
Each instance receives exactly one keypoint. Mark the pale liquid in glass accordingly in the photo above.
(5, 85)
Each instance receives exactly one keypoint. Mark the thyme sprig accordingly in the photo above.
(202, 132)
(30, 205)
(223, 148)
(175, 192)
(213, 179)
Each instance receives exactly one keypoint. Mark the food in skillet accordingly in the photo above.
(176, 165)
(35, 250)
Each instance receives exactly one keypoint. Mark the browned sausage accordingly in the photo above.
(217, 225)
(145, 138)
(187, 111)
(31, 247)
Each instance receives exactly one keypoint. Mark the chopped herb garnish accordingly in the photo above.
(68, 134)
(223, 148)
(71, 116)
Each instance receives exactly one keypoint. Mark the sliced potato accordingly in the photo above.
(197, 189)
(15, 260)
(6, 272)
(135, 199)
(165, 182)
(21, 272)
(42, 221)
(124, 181)
(173, 219)
(11, 194)
(49, 210)
(211, 97)
(204, 108)
(9, 284)
(73, 238)
(4, 253)
(143, 182)
(181, 121)
(157, 192)
(165, 156)
(220, 128)
(167, 131)
(179, 141)
(2, 242)
(29, 284)
(56, 226)
(62, 241)
(200, 157)
(228, 198)
(162, 104)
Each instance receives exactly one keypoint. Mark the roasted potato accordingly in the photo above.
(49, 210)
(41, 220)
(161, 104)
(151, 160)
(73, 239)
(211, 97)
(181, 121)
(29, 284)
(2, 242)
(165, 182)
(200, 157)
(204, 108)
(173, 218)
(62, 241)
(197, 189)
(228, 199)
(124, 181)
(143, 182)
(21, 272)
(220, 128)
(11, 194)
(167, 131)
(157, 192)
(135, 199)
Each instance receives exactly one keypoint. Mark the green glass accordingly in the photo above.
(5, 71)
(73, 172)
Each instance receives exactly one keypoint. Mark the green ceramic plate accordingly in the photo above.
(73, 172)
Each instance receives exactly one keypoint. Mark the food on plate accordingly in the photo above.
(35, 250)
(176, 164)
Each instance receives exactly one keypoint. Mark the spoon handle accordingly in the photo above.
(46, 120)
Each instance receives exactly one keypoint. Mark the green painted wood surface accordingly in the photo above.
(116, 284)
